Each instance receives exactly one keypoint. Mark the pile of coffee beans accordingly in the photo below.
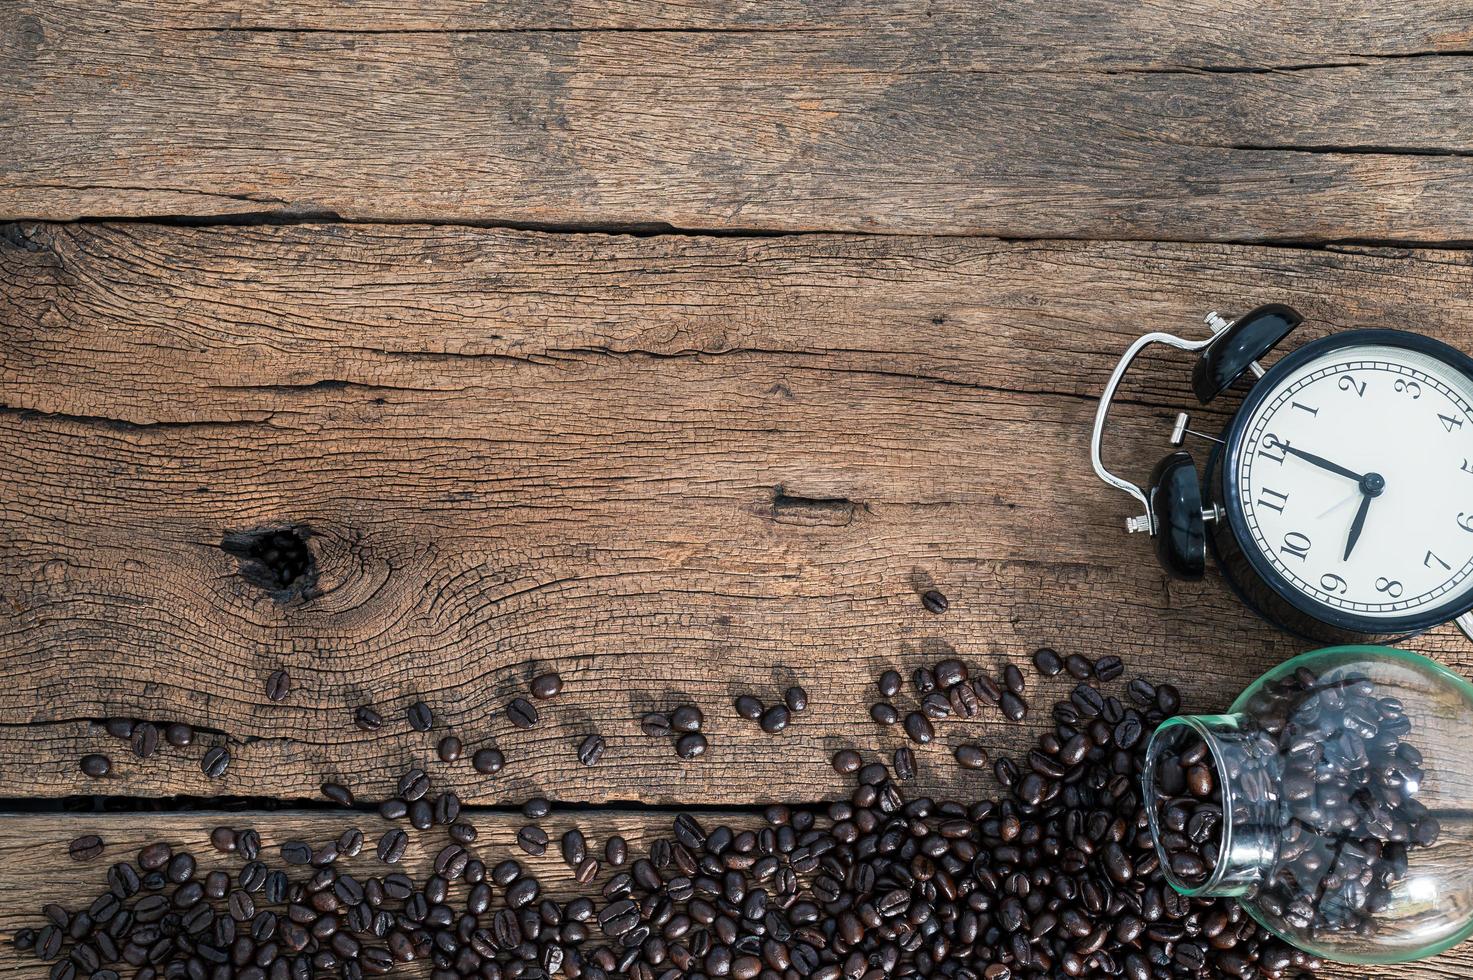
(1057, 878)
(1325, 771)
(683, 725)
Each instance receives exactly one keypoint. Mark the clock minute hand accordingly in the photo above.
(1323, 463)
(1358, 524)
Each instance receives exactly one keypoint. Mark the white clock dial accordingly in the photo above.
(1375, 436)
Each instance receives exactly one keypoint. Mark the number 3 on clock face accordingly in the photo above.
(1349, 481)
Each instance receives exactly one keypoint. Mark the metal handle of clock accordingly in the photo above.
(1102, 414)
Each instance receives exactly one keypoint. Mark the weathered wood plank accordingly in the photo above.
(38, 870)
(517, 450)
(915, 126)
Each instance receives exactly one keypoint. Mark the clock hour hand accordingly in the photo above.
(1358, 524)
(1322, 463)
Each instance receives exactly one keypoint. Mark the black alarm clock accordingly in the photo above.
(1338, 501)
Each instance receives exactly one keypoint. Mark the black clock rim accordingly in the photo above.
(1232, 499)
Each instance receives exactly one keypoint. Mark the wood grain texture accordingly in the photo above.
(675, 469)
(33, 849)
(1213, 123)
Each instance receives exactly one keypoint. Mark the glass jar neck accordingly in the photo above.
(1245, 762)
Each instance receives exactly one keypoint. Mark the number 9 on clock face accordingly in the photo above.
(1348, 481)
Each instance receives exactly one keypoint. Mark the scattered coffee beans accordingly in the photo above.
(546, 686)
(278, 685)
(934, 601)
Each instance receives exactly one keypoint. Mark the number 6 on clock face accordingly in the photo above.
(1348, 481)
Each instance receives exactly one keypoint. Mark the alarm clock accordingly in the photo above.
(1338, 501)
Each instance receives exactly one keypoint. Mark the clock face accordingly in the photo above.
(1354, 483)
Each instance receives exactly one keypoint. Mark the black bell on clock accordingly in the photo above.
(1338, 501)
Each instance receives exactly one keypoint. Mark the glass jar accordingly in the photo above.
(1334, 800)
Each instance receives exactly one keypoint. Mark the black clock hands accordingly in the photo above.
(1358, 524)
(1322, 463)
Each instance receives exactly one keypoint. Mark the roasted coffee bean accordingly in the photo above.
(692, 745)
(521, 713)
(545, 686)
(1108, 668)
(918, 728)
(591, 749)
(248, 844)
(85, 848)
(775, 719)
(462, 833)
(1047, 662)
(338, 793)
(1079, 667)
(971, 756)
(846, 761)
(145, 739)
(296, 852)
(796, 699)
(119, 727)
(574, 847)
(178, 734)
(446, 809)
(533, 840)
(278, 685)
(393, 809)
(1012, 679)
(889, 684)
(421, 815)
(655, 724)
(686, 718)
(1014, 708)
(216, 760)
(391, 846)
(749, 707)
(413, 785)
(616, 851)
(934, 601)
(450, 748)
(488, 761)
(884, 713)
(367, 718)
(420, 717)
(904, 764)
(536, 808)
(987, 689)
(949, 672)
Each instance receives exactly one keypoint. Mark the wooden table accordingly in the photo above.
(675, 347)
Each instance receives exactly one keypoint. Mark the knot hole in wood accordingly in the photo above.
(276, 559)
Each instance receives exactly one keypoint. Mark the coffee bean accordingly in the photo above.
(421, 815)
(1047, 662)
(616, 851)
(918, 728)
(1108, 668)
(338, 793)
(393, 809)
(248, 844)
(119, 727)
(987, 689)
(936, 706)
(923, 681)
(450, 748)
(545, 686)
(796, 699)
(949, 672)
(536, 808)
(846, 761)
(686, 718)
(533, 840)
(413, 785)
(889, 684)
(85, 848)
(971, 756)
(655, 724)
(488, 761)
(296, 852)
(1078, 667)
(521, 713)
(96, 766)
(884, 713)
(216, 760)
(1012, 679)
(145, 739)
(278, 685)
(904, 764)
(748, 707)
(367, 718)
(591, 749)
(178, 734)
(391, 846)
(1014, 708)
(350, 842)
(223, 839)
(420, 717)
(775, 719)
(690, 745)
(934, 602)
